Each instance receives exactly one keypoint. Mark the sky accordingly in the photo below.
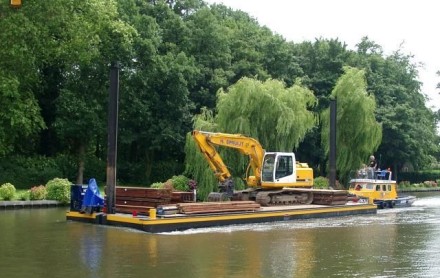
(410, 25)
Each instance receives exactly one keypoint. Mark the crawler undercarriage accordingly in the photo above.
(285, 196)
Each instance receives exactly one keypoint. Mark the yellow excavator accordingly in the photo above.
(273, 178)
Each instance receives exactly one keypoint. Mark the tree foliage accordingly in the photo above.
(20, 113)
(322, 64)
(174, 56)
(358, 133)
(409, 132)
(277, 116)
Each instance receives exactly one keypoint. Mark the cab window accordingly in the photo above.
(268, 167)
(284, 167)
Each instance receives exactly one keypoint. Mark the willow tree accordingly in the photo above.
(268, 111)
(195, 164)
(358, 133)
(278, 117)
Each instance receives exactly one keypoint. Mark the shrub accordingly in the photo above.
(192, 184)
(430, 183)
(59, 190)
(404, 184)
(321, 182)
(415, 185)
(24, 195)
(180, 183)
(168, 185)
(157, 185)
(38, 193)
(7, 191)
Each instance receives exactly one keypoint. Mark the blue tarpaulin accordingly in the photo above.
(92, 197)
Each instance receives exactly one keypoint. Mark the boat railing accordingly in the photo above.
(373, 174)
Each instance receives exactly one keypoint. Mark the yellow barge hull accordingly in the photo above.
(180, 222)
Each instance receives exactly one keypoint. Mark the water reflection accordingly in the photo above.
(393, 243)
(91, 251)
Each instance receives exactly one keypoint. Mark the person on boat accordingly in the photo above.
(362, 172)
(373, 163)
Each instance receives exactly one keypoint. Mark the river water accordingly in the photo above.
(391, 243)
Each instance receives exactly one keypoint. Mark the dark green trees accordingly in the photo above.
(174, 58)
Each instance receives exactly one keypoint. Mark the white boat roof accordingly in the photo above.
(372, 181)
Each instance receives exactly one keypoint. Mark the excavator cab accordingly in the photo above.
(279, 168)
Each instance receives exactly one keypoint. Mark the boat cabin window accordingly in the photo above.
(389, 187)
(384, 187)
(370, 186)
(378, 187)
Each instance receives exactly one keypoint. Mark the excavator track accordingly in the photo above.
(284, 198)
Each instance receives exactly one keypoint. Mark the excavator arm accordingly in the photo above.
(207, 142)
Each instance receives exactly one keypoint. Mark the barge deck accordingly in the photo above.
(179, 222)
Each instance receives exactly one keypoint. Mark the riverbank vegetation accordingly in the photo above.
(179, 61)
(56, 189)
(423, 186)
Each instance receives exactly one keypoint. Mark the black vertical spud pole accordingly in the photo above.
(113, 104)
(332, 154)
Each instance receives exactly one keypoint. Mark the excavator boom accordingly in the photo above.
(245, 145)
